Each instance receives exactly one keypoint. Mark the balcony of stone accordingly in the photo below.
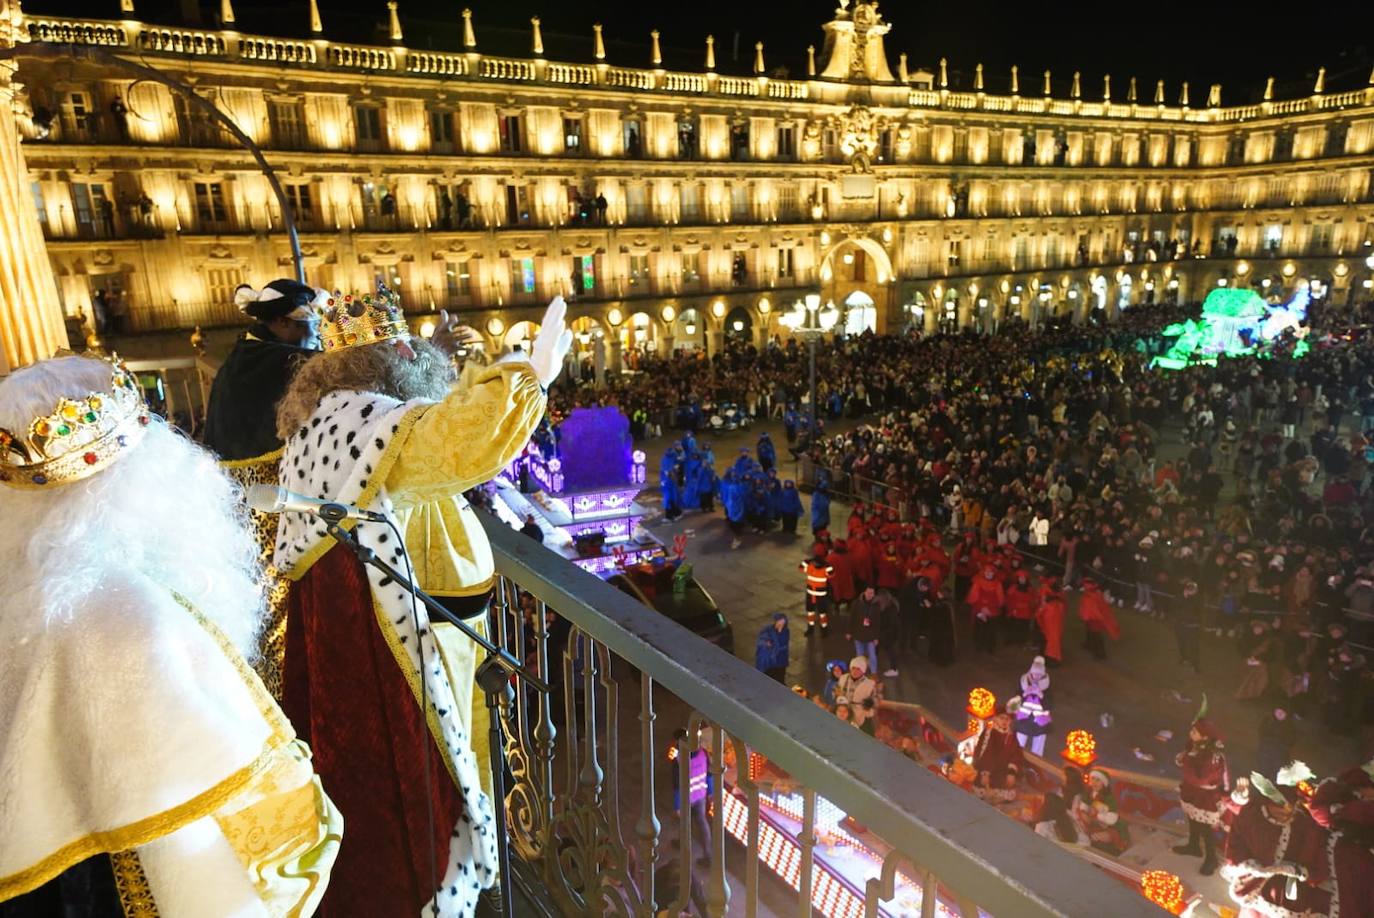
(593, 826)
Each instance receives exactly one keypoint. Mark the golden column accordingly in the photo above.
(31, 323)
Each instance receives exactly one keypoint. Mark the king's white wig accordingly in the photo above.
(163, 511)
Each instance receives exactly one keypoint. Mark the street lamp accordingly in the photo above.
(811, 323)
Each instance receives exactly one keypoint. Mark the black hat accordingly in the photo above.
(281, 299)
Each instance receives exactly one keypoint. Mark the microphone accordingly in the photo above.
(267, 498)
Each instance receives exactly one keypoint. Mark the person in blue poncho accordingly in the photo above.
(691, 481)
(771, 651)
(689, 443)
(707, 485)
(744, 463)
(790, 506)
(756, 504)
(732, 499)
(768, 455)
(790, 422)
(669, 481)
(774, 501)
(820, 506)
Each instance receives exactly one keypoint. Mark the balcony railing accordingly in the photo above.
(586, 806)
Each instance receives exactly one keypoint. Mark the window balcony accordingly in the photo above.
(592, 778)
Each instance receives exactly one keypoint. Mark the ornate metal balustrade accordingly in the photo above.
(585, 808)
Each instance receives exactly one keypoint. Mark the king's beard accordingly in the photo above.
(379, 368)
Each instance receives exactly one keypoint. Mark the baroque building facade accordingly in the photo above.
(672, 208)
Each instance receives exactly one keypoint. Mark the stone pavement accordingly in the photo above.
(1133, 687)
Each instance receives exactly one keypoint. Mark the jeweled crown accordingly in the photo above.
(79, 438)
(352, 320)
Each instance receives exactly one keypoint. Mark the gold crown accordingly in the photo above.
(350, 320)
(81, 437)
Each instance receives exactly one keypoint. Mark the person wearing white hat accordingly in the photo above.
(859, 691)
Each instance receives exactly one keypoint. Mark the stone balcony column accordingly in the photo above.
(31, 321)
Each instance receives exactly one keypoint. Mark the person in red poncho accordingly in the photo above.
(986, 599)
(842, 586)
(1049, 620)
(861, 560)
(858, 520)
(1099, 618)
(890, 567)
(968, 558)
(1203, 791)
(1020, 604)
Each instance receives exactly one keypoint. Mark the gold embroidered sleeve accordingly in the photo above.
(285, 832)
(468, 437)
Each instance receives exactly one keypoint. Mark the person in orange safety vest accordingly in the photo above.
(818, 570)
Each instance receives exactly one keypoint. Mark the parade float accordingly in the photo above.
(581, 488)
(1236, 322)
(847, 856)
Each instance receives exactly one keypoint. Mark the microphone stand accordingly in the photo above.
(493, 676)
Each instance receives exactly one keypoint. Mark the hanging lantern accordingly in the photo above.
(1080, 748)
(981, 703)
(1163, 889)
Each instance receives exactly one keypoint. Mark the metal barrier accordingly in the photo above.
(584, 812)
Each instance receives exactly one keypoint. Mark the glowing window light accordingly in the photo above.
(1163, 889)
(981, 703)
(1080, 748)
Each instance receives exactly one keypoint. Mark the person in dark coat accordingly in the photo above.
(241, 418)
(938, 616)
(772, 648)
(790, 506)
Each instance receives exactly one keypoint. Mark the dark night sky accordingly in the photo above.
(1233, 43)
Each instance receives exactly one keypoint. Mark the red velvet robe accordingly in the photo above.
(1255, 837)
(1203, 790)
(348, 698)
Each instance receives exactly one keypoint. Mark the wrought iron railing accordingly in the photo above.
(585, 809)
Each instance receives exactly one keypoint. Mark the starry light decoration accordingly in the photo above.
(1163, 889)
(1080, 748)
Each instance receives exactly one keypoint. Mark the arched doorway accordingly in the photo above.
(1124, 290)
(857, 264)
(588, 354)
(860, 313)
(739, 326)
(1099, 292)
(690, 331)
(949, 313)
(915, 312)
(639, 335)
(520, 335)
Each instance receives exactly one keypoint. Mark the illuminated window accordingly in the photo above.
(94, 210)
(522, 275)
(572, 135)
(584, 274)
(511, 138)
(302, 204)
(787, 142)
(77, 120)
(690, 273)
(222, 282)
(785, 263)
(443, 132)
(367, 120)
(690, 202)
(458, 279)
(211, 214)
(639, 270)
(788, 201)
(1322, 234)
(287, 122)
(739, 201)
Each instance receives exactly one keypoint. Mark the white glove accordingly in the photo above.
(551, 344)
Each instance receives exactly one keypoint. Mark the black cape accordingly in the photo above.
(241, 420)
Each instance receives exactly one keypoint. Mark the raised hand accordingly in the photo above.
(551, 344)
